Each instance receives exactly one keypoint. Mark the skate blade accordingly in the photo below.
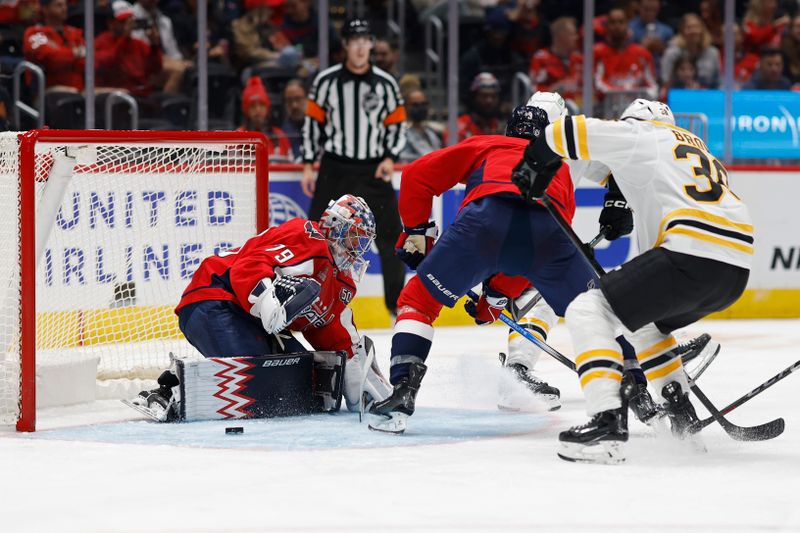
(602, 453)
(394, 423)
(698, 364)
(529, 407)
(159, 415)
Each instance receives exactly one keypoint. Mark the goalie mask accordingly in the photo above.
(349, 226)
(641, 109)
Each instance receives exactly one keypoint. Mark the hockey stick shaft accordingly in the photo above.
(753, 393)
(591, 244)
(511, 323)
(761, 388)
(572, 236)
(507, 320)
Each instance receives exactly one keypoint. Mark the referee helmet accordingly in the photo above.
(356, 28)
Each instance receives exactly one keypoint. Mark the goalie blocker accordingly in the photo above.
(258, 387)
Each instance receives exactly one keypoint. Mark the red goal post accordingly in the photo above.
(96, 257)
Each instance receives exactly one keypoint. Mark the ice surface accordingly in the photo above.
(462, 466)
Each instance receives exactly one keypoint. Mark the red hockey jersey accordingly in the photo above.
(53, 51)
(484, 163)
(295, 248)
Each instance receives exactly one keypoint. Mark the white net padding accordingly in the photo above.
(118, 240)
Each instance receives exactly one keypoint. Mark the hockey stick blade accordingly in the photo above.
(766, 431)
(750, 395)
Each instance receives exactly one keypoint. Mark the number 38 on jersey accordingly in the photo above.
(711, 175)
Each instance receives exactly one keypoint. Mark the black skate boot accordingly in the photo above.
(391, 414)
(640, 402)
(697, 354)
(680, 410)
(160, 402)
(541, 390)
(599, 440)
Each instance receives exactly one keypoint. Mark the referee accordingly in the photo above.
(355, 118)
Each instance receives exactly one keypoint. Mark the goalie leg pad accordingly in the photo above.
(246, 387)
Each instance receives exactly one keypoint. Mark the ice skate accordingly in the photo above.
(159, 404)
(598, 441)
(682, 415)
(697, 354)
(539, 389)
(391, 415)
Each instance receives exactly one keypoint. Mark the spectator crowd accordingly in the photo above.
(264, 54)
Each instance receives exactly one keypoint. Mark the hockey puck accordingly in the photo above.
(234, 430)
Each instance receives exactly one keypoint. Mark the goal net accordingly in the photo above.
(97, 251)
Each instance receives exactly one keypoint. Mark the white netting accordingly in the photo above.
(9, 278)
(124, 232)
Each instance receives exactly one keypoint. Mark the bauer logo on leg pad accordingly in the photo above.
(282, 362)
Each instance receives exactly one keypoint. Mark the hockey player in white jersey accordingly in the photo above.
(699, 241)
(531, 312)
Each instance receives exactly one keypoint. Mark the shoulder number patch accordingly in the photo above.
(346, 295)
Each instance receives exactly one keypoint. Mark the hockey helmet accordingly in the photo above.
(641, 109)
(526, 122)
(356, 27)
(349, 226)
(552, 103)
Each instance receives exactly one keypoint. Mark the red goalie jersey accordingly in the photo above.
(295, 248)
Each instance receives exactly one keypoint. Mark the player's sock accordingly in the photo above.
(411, 342)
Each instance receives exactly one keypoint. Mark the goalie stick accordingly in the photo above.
(766, 431)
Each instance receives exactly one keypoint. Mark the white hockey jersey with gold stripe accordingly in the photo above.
(678, 191)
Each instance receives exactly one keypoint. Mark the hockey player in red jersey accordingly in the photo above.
(295, 277)
(494, 232)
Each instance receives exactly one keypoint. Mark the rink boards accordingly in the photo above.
(770, 193)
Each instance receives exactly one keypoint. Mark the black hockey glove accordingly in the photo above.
(616, 215)
(534, 173)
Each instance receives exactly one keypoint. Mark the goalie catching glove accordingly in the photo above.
(279, 302)
(488, 307)
(415, 243)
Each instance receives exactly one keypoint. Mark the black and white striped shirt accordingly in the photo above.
(359, 117)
